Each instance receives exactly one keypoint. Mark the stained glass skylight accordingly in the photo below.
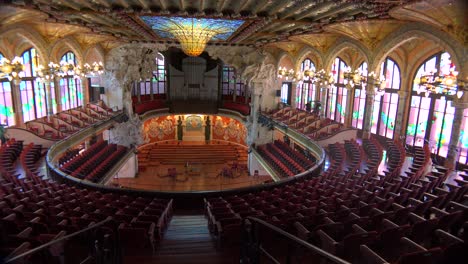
(193, 33)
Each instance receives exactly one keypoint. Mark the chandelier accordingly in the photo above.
(321, 76)
(13, 70)
(444, 84)
(357, 78)
(285, 73)
(52, 70)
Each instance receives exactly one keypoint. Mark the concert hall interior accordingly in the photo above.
(233, 131)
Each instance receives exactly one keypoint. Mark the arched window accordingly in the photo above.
(7, 117)
(306, 93)
(359, 104)
(71, 92)
(337, 94)
(386, 106)
(431, 115)
(32, 92)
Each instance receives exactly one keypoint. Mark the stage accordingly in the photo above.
(191, 166)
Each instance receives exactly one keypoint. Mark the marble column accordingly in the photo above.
(453, 150)
(370, 95)
(399, 129)
(349, 105)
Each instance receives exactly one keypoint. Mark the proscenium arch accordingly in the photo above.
(33, 38)
(346, 43)
(417, 30)
(62, 46)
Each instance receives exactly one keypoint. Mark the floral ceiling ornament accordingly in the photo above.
(192, 33)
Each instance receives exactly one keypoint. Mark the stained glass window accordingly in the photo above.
(359, 104)
(386, 106)
(230, 83)
(7, 117)
(337, 95)
(286, 93)
(71, 93)
(463, 140)
(431, 115)
(32, 92)
(306, 92)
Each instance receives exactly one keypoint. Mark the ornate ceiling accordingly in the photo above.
(284, 24)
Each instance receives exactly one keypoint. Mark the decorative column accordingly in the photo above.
(370, 95)
(19, 120)
(399, 128)
(257, 89)
(58, 95)
(84, 91)
(323, 101)
(452, 155)
(48, 92)
(349, 105)
(293, 93)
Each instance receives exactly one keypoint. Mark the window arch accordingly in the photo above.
(7, 117)
(305, 92)
(71, 92)
(359, 104)
(32, 92)
(431, 116)
(337, 94)
(386, 106)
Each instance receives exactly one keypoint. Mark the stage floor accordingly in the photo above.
(197, 176)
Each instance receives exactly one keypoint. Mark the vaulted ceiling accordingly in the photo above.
(284, 24)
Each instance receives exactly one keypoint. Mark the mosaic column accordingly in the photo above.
(349, 105)
(399, 129)
(370, 95)
(452, 155)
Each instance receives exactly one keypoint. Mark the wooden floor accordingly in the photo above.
(199, 167)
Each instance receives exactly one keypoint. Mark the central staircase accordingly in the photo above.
(188, 241)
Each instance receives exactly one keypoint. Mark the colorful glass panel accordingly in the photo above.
(164, 26)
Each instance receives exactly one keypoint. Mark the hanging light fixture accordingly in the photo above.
(353, 77)
(193, 33)
(446, 84)
(48, 73)
(13, 70)
(377, 82)
(324, 78)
